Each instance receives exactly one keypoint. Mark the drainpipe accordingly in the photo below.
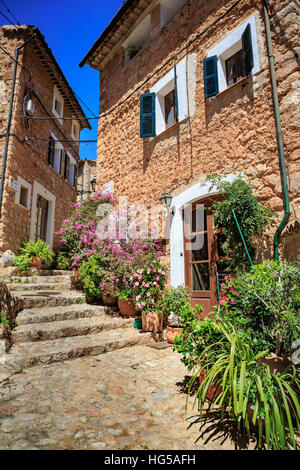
(10, 117)
(279, 134)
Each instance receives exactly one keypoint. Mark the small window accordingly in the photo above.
(235, 68)
(170, 112)
(24, 192)
(58, 104)
(75, 130)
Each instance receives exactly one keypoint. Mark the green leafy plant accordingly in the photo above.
(91, 273)
(196, 335)
(234, 380)
(22, 262)
(173, 302)
(30, 249)
(62, 261)
(253, 218)
(264, 305)
(3, 320)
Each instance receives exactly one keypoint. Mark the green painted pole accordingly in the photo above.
(238, 226)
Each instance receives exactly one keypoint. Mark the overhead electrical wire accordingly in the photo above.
(171, 59)
(10, 12)
(6, 17)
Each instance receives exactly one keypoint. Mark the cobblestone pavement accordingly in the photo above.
(131, 398)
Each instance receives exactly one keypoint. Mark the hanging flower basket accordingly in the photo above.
(152, 321)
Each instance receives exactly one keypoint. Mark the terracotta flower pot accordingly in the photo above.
(36, 262)
(109, 299)
(127, 308)
(152, 321)
(76, 275)
(172, 333)
(211, 390)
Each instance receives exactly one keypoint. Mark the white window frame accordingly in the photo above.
(57, 96)
(232, 44)
(139, 38)
(164, 86)
(75, 125)
(26, 185)
(57, 155)
(72, 166)
(168, 9)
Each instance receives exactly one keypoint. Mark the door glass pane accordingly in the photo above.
(200, 276)
(199, 219)
(221, 238)
(199, 248)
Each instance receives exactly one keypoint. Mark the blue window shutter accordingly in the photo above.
(247, 50)
(210, 75)
(175, 93)
(147, 115)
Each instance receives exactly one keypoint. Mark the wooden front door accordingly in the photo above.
(200, 252)
(41, 218)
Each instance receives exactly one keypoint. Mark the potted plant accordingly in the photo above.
(173, 302)
(148, 283)
(126, 304)
(62, 261)
(32, 254)
(247, 391)
(152, 321)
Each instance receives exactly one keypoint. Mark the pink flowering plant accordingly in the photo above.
(78, 232)
(228, 292)
(148, 283)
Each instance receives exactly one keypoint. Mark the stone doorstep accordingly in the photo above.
(67, 328)
(52, 314)
(46, 352)
(33, 299)
(40, 279)
(61, 286)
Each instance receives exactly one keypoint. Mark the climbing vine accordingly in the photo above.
(252, 216)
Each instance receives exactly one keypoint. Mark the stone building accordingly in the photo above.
(86, 175)
(186, 91)
(39, 178)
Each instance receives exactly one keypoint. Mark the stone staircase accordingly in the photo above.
(57, 324)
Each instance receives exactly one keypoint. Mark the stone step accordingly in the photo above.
(52, 272)
(60, 286)
(28, 354)
(48, 298)
(41, 279)
(68, 328)
(52, 314)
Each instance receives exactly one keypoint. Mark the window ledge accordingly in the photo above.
(24, 207)
(177, 124)
(242, 82)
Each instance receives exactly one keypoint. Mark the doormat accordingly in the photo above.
(163, 345)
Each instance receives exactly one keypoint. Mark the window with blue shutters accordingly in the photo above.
(247, 50)
(232, 59)
(210, 76)
(147, 115)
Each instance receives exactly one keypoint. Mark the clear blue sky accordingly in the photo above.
(70, 28)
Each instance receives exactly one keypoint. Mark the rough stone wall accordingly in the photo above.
(234, 132)
(29, 160)
(87, 170)
(10, 306)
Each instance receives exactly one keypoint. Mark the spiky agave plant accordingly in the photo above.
(247, 391)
